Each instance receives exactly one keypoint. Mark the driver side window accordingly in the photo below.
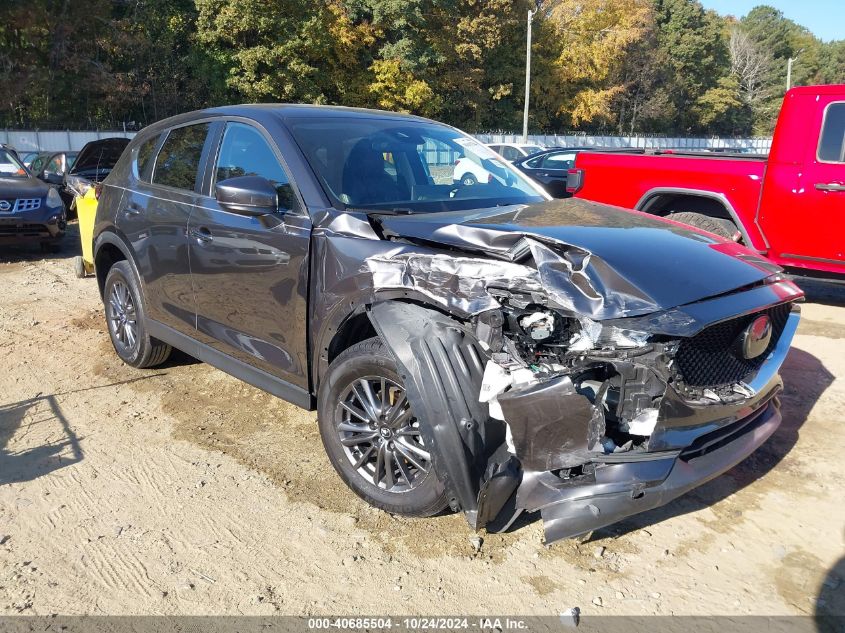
(245, 152)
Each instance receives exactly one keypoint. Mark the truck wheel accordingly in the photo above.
(125, 318)
(719, 226)
(371, 435)
(468, 180)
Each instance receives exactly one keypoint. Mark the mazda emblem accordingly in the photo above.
(754, 339)
(5, 205)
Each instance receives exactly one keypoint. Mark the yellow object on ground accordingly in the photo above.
(86, 210)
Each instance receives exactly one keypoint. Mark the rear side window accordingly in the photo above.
(178, 161)
(832, 141)
(144, 156)
(245, 152)
(559, 161)
(510, 153)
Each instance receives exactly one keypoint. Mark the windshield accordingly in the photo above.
(10, 167)
(407, 166)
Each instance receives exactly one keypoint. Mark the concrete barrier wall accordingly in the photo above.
(53, 140)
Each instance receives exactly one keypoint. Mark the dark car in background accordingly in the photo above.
(476, 347)
(30, 210)
(550, 167)
(94, 162)
(51, 167)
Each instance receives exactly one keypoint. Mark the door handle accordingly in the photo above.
(132, 209)
(830, 186)
(202, 234)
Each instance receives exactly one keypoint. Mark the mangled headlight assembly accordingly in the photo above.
(595, 335)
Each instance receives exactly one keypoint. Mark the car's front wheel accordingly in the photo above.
(469, 180)
(371, 435)
(125, 318)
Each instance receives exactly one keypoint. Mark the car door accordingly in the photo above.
(154, 218)
(553, 170)
(250, 273)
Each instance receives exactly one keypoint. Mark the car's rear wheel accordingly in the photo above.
(125, 318)
(371, 435)
(719, 226)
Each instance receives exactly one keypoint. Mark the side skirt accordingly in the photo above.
(252, 375)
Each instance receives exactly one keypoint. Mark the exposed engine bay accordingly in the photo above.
(548, 376)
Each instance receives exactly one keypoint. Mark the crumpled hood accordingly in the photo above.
(597, 260)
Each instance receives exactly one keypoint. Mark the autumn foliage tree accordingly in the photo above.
(628, 66)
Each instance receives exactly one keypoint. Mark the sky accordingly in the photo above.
(825, 18)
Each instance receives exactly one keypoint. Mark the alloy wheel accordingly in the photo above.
(122, 316)
(381, 436)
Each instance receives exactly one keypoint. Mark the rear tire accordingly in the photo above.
(126, 320)
(388, 439)
(719, 226)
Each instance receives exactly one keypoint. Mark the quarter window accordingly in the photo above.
(832, 141)
(178, 161)
(559, 161)
(245, 152)
(145, 153)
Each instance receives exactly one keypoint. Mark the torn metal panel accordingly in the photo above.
(552, 425)
(456, 283)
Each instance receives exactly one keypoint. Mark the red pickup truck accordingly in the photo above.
(789, 206)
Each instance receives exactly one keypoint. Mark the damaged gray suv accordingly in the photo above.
(477, 347)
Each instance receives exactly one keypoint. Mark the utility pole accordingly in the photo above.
(789, 63)
(527, 78)
(789, 72)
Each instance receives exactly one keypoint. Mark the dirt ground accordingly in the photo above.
(180, 490)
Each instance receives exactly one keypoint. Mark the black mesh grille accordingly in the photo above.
(708, 359)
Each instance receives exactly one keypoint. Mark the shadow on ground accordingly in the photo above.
(36, 437)
(48, 441)
(824, 292)
(30, 251)
(830, 603)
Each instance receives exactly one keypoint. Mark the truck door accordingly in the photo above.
(825, 186)
(804, 216)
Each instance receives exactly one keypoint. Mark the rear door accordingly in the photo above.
(550, 170)
(154, 217)
(250, 274)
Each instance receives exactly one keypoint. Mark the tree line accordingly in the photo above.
(618, 66)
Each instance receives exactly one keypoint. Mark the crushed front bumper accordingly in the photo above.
(625, 488)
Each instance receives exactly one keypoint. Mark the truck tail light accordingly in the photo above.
(98, 189)
(574, 180)
(489, 178)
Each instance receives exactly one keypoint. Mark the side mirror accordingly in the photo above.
(247, 195)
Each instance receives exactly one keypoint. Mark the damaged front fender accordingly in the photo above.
(442, 365)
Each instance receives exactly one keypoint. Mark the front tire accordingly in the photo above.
(468, 180)
(126, 320)
(371, 435)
